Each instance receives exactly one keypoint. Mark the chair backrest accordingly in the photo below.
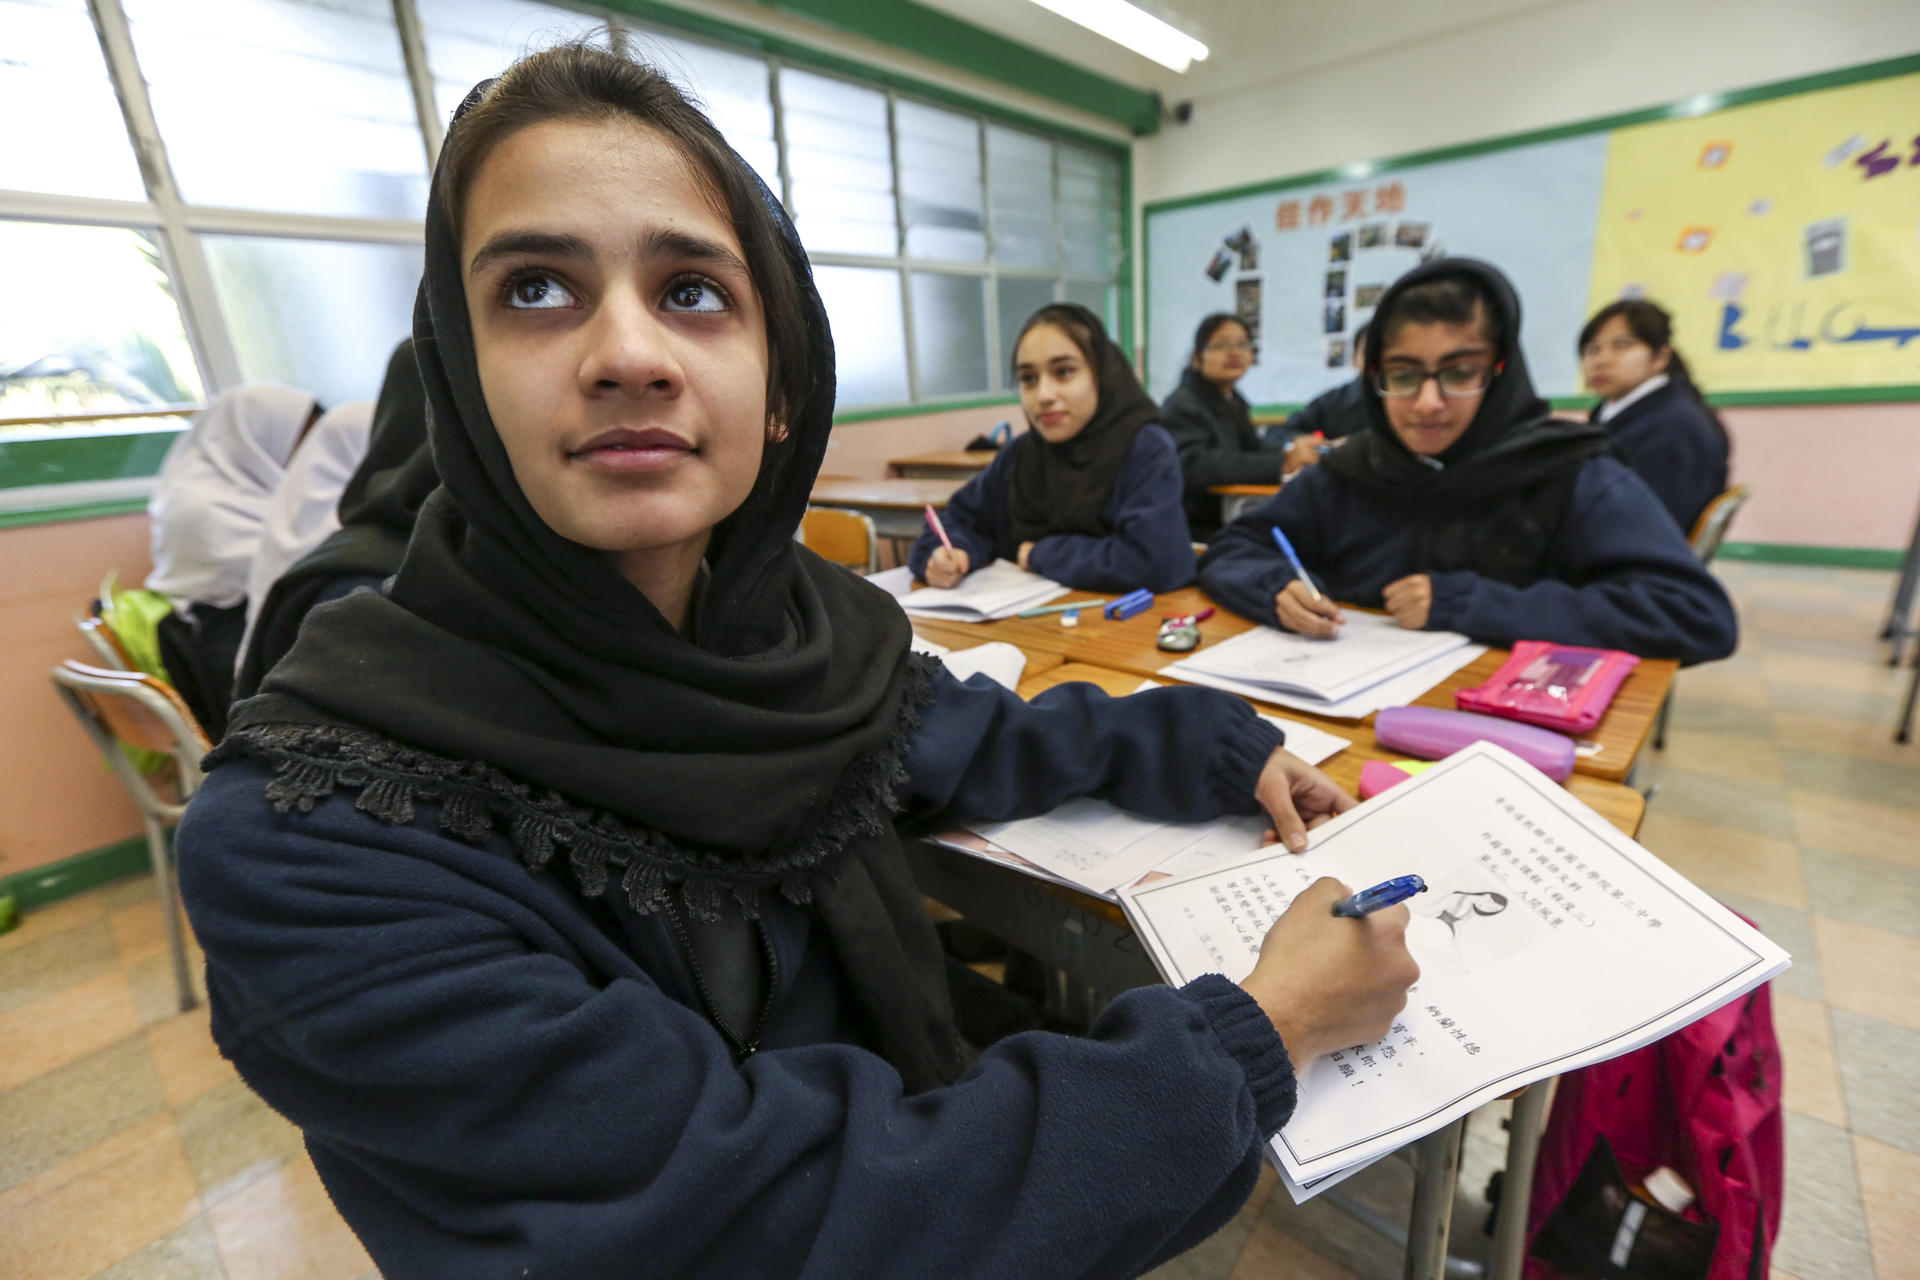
(121, 709)
(105, 643)
(1711, 528)
(844, 537)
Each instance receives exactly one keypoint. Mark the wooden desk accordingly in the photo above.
(1129, 647)
(894, 506)
(941, 464)
(1236, 499)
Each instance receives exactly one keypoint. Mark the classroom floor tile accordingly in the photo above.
(132, 1151)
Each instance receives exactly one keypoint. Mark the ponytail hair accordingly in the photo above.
(1652, 325)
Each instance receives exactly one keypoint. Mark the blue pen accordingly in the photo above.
(1384, 894)
(1286, 549)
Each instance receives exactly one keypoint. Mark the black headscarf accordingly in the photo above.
(1495, 502)
(1062, 488)
(377, 510)
(516, 679)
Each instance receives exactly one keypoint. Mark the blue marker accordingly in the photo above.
(1384, 894)
(1286, 549)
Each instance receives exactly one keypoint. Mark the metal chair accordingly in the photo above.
(120, 709)
(1708, 532)
(105, 643)
(844, 537)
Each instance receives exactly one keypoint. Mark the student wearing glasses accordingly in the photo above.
(1211, 425)
(1464, 506)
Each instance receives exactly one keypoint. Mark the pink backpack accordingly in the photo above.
(1704, 1102)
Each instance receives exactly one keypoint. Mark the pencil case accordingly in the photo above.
(1434, 732)
(1557, 686)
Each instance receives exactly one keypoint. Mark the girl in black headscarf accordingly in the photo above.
(1090, 495)
(377, 510)
(1465, 506)
(556, 892)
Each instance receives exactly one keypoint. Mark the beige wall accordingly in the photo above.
(1844, 475)
(56, 796)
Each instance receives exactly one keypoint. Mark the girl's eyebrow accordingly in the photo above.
(659, 243)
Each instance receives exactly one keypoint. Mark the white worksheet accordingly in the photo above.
(1094, 846)
(997, 660)
(1392, 692)
(1546, 941)
(997, 590)
(1369, 649)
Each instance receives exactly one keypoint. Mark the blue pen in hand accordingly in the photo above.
(1384, 894)
(1286, 549)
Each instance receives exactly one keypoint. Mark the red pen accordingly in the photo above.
(933, 522)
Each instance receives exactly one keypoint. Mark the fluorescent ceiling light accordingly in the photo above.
(1133, 27)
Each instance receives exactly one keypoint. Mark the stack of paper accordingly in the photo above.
(1546, 941)
(998, 590)
(1373, 663)
(997, 660)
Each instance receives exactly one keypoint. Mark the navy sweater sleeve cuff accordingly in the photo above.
(1243, 752)
(1244, 1030)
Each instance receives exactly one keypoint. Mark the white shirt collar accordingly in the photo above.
(1611, 409)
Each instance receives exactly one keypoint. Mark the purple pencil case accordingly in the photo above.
(1433, 732)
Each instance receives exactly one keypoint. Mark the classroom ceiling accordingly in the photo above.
(1250, 40)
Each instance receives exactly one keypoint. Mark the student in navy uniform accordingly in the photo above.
(1090, 494)
(1466, 506)
(1210, 423)
(1661, 425)
(557, 892)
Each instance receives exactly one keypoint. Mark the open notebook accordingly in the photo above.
(1373, 663)
(998, 590)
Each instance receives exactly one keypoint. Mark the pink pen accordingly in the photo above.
(933, 522)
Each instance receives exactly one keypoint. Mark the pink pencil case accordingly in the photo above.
(1557, 686)
(1434, 733)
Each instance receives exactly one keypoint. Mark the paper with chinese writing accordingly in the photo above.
(1369, 649)
(1546, 941)
(1396, 690)
(997, 590)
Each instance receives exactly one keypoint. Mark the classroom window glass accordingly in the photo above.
(1090, 211)
(106, 335)
(317, 314)
(470, 40)
(941, 192)
(1095, 297)
(950, 334)
(295, 106)
(734, 89)
(51, 70)
(869, 335)
(1020, 175)
(840, 158)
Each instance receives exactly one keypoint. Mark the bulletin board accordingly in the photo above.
(1780, 226)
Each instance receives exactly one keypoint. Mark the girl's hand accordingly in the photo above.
(1298, 797)
(945, 568)
(1026, 549)
(1409, 600)
(1300, 612)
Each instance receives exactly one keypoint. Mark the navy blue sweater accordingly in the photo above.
(498, 1078)
(1149, 546)
(1669, 441)
(1619, 575)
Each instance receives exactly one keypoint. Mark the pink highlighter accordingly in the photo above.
(1432, 733)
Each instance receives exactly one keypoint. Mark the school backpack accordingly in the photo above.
(1704, 1102)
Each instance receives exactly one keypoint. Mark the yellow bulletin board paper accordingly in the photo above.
(1784, 236)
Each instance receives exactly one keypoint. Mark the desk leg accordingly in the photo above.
(1516, 1188)
(1436, 1171)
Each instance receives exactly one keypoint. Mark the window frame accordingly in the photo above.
(101, 477)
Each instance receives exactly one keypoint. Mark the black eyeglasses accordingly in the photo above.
(1458, 380)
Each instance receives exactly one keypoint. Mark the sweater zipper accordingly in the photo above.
(742, 1048)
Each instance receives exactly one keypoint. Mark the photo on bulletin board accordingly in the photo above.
(1336, 353)
(1780, 230)
(1246, 305)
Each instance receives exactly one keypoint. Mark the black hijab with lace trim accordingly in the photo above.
(514, 678)
(1063, 488)
(1494, 501)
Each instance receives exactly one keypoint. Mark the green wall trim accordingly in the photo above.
(1701, 104)
(73, 459)
(74, 511)
(56, 880)
(917, 410)
(961, 56)
(1797, 553)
